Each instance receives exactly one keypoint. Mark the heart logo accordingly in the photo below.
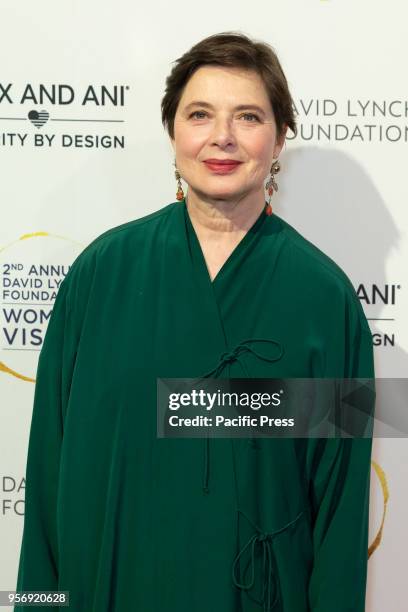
(38, 118)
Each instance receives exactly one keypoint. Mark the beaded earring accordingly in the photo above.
(180, 192)
(271, 185)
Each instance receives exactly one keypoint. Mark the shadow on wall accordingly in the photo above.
(332, 201)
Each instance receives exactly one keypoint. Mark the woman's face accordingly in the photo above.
(209, 125)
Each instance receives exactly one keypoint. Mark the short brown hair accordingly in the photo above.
(231, 49)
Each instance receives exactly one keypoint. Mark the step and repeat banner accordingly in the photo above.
(82, 149)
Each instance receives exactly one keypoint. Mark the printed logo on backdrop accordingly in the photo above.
(12, 495)
(352, 120)
(32, 269)
(37, 108)
(379, 303)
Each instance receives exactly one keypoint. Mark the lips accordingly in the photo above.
(221, 161)
(222, 165)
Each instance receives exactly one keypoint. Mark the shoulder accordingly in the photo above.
(308, 258)
(115, 235)
(100, 256)
(131, 227)
(319, 275)
(111, 240)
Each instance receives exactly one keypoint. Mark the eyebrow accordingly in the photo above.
(236, 108)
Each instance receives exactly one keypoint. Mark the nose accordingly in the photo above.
(223, 132)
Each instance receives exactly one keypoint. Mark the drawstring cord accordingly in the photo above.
(260, 538)
(243, 347)
(226, 358)
(265, 540)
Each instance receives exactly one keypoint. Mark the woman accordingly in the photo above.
(211, 284)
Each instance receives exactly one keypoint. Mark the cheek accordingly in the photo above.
(260, 148)
(260, 154)
(189, 142)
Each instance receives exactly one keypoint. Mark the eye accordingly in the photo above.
(254, 119)
(197, 112)
(251, 115)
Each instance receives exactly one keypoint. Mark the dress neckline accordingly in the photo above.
(195, 243)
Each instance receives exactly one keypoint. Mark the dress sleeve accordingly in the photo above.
(339, 489)
(38, 564)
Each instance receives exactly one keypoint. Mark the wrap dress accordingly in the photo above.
(128, 522)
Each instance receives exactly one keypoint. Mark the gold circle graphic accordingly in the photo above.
(4, 367)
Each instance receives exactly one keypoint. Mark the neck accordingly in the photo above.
(224, 217)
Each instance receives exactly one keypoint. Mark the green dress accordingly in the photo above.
(128, 522)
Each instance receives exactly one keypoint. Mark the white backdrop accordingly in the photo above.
(95, 155)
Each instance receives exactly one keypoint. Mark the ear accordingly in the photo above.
(280, 142)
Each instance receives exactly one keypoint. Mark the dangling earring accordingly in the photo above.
(180, 192)
(272, 185)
